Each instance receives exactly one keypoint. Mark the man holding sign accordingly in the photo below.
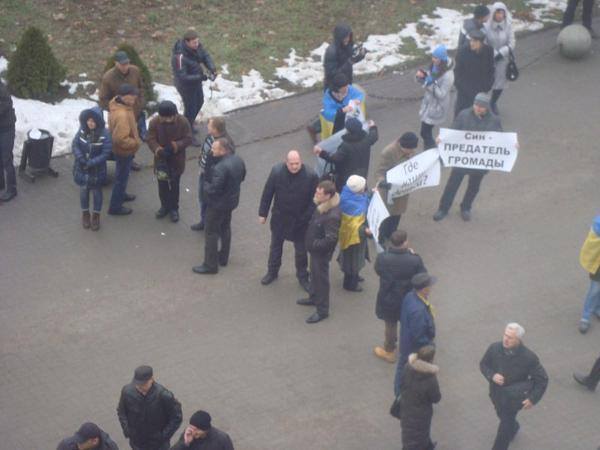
(476, 118)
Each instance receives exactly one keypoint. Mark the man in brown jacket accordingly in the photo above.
(168, 136)
(124, 73)
(126, 142)
(395, 153)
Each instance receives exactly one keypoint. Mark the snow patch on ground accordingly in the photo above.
(3, 64)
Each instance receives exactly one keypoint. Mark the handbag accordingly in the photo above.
(512, 71)
(396, 408)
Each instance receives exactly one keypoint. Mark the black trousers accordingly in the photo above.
(7, 166)
(507, 428)
(319, 282)
(300, 256)
(164, 446)
(387, 227)
(217, 228)
(586, 17)
(456, 177)
(193, 99)
(464, 100)
(168, 192)
(594, 376)
(427, 135)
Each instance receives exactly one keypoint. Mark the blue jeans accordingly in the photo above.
(84, 198)
(592, 301)
(122, 169)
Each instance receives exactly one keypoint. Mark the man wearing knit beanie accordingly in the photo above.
(395, 153)
(201, 435)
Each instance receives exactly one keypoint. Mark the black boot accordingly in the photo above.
(496, 93)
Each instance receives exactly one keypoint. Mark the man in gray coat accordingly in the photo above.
(476, 118)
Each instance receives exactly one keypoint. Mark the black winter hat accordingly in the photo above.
(201, 420)
(409, 140)
(339, 81)
(86, 432)
(481, 11)
(167, 108)
(128, 89)
(353, 126)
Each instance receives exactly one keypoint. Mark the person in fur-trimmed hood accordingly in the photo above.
(321, 239)
(420, 390)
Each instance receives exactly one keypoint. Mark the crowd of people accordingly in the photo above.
(317, 214)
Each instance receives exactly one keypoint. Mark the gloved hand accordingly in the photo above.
(498, 57)
(385, 185)
(428, 80)
(89, 164)
(212, 76)
(167, 151)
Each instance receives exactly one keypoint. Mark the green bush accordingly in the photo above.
(33, 70)
(135, 59)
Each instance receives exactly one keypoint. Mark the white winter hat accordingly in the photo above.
(356, 183)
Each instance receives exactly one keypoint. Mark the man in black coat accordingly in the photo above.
(341, 55)
(517, 380)
(187, 59)
(473, 71)
(419, 391)
(201, 435)
(148, 412)
(354, 153)
(292, 185)
(7, 142)
(321, 239)
(88, 437)
(221, 191)
(395, 267)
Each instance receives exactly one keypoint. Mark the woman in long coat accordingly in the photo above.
(501, 37)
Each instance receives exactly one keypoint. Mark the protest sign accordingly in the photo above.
(485, 150)
(420, 171)
(376, 214)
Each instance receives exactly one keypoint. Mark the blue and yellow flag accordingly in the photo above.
(354, 212)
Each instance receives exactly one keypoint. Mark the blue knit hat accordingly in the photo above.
(596, 225)
(440, 52)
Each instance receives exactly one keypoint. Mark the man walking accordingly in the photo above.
(476, 118)
(201, 435)
(517, 380)
(221, 190)
(125, 143)
(122, 73)
(395, 267)
(88, 437)
(321, 239)
(7, 142)
(474, 70)
(291, 186)
(149, 413)
(417, 327)
(187, 59)
(168, 137)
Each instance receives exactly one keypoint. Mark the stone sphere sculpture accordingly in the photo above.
(574, 41)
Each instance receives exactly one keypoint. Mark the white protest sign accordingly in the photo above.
(376, 214)
(331, 144)
(422, 170)
(485, 150)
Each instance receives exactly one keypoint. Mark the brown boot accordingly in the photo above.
(95, 221)
(85, 219)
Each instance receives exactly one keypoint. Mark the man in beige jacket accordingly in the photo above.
(126, 142)
(393, 154)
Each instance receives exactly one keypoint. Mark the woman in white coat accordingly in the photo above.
(501, 37)
(437, 82)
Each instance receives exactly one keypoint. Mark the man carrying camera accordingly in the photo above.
(187, 59)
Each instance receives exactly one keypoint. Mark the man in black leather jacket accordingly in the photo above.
(148, 412)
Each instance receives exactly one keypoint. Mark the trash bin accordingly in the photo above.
(36, 155)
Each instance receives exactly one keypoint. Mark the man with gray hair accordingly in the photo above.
(517, 380)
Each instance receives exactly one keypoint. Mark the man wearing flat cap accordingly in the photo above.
(416, 319)
(126, 142)
(88, 437)
(397, 152)
(122, 73)
(201, 435)
(168, 136)
(478, 117)
(474, 70)
(148, 412)
(188, 57)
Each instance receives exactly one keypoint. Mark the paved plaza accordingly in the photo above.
(80, 310)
